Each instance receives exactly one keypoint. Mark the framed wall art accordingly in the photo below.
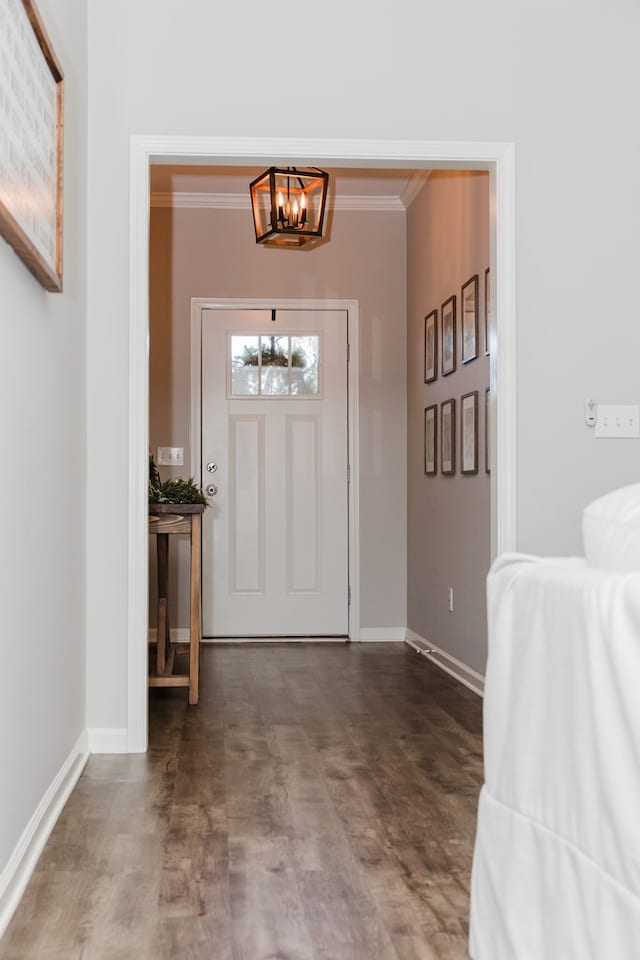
(31, 136)
(487, 422)
(470, 314)
(448, 336)
(430, 440)
(431, 346)
(448, 437)
(487, 310)
(469, 432)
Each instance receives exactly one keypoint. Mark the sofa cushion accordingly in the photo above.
(611, 530)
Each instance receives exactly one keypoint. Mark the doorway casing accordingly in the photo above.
(498, 158)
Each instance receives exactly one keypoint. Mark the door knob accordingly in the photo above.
(212, 467)
(211, 490)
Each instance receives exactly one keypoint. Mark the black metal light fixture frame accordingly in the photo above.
(288, 205)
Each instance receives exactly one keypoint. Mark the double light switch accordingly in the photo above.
(170, 456)
(617, 420)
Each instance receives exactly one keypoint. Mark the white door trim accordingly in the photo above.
(498, 158)
(352, 308)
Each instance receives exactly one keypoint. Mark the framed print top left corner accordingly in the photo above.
(31, 142)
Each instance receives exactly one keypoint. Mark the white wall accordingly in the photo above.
(435, 71)
(448, 532)
(214, 253)
(42, 481)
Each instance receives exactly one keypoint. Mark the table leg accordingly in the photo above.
(194, 631)
(163, 603)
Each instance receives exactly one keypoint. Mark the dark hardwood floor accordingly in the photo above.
(319, 804)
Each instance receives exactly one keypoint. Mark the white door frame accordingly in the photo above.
(352, 308)
(498, 158)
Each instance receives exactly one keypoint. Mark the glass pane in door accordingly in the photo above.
(275, 365)
(244, 366)
(304, 364)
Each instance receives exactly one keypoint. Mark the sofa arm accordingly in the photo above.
(562, 708)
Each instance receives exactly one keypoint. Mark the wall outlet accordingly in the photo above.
(170, 456)
(450, 599)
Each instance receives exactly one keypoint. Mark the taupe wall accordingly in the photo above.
(212, 253)
(448, 536)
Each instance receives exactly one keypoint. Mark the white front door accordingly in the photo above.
(275, 449)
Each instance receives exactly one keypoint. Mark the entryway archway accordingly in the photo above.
(497, 158)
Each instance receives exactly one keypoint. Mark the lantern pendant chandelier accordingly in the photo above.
(288, 206)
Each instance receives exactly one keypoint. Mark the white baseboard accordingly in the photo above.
(382, 634)
(212, 641)
(22, 862)
(455, 668)
(367, 635)
(108, 740)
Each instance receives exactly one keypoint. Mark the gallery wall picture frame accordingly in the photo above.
(431, 440)
(487, 310)
(470, 319)
(31, 150)
(469, 432)
(431, 347)
(448, 438)
(448, 336)
(487, 436)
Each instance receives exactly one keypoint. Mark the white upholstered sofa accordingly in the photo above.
(556, 872)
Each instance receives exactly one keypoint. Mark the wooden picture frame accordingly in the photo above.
(31, 143)
(469, 433)
(487, 311)
(431, 440)
(448, 336)
(448, 438)
(470, 310)
(487, 425)
(431, 347)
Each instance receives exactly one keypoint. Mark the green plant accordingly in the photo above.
(271, 357)
(175, 490)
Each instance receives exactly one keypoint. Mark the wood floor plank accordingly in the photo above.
(318, 804)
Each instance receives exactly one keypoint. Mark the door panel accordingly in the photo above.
(246, 504)
(274, 421)
(304, 492)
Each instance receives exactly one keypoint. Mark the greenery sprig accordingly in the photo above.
(271, 357)
(175, 490)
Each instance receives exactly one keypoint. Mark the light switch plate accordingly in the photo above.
(618, 420)
(170, 456)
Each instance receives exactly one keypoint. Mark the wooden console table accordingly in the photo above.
(165, 519)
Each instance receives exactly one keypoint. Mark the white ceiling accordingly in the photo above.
(228, 187)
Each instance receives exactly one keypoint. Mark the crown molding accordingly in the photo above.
(215, 201)
(380, 204)
(413, 187)
(241, 201)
